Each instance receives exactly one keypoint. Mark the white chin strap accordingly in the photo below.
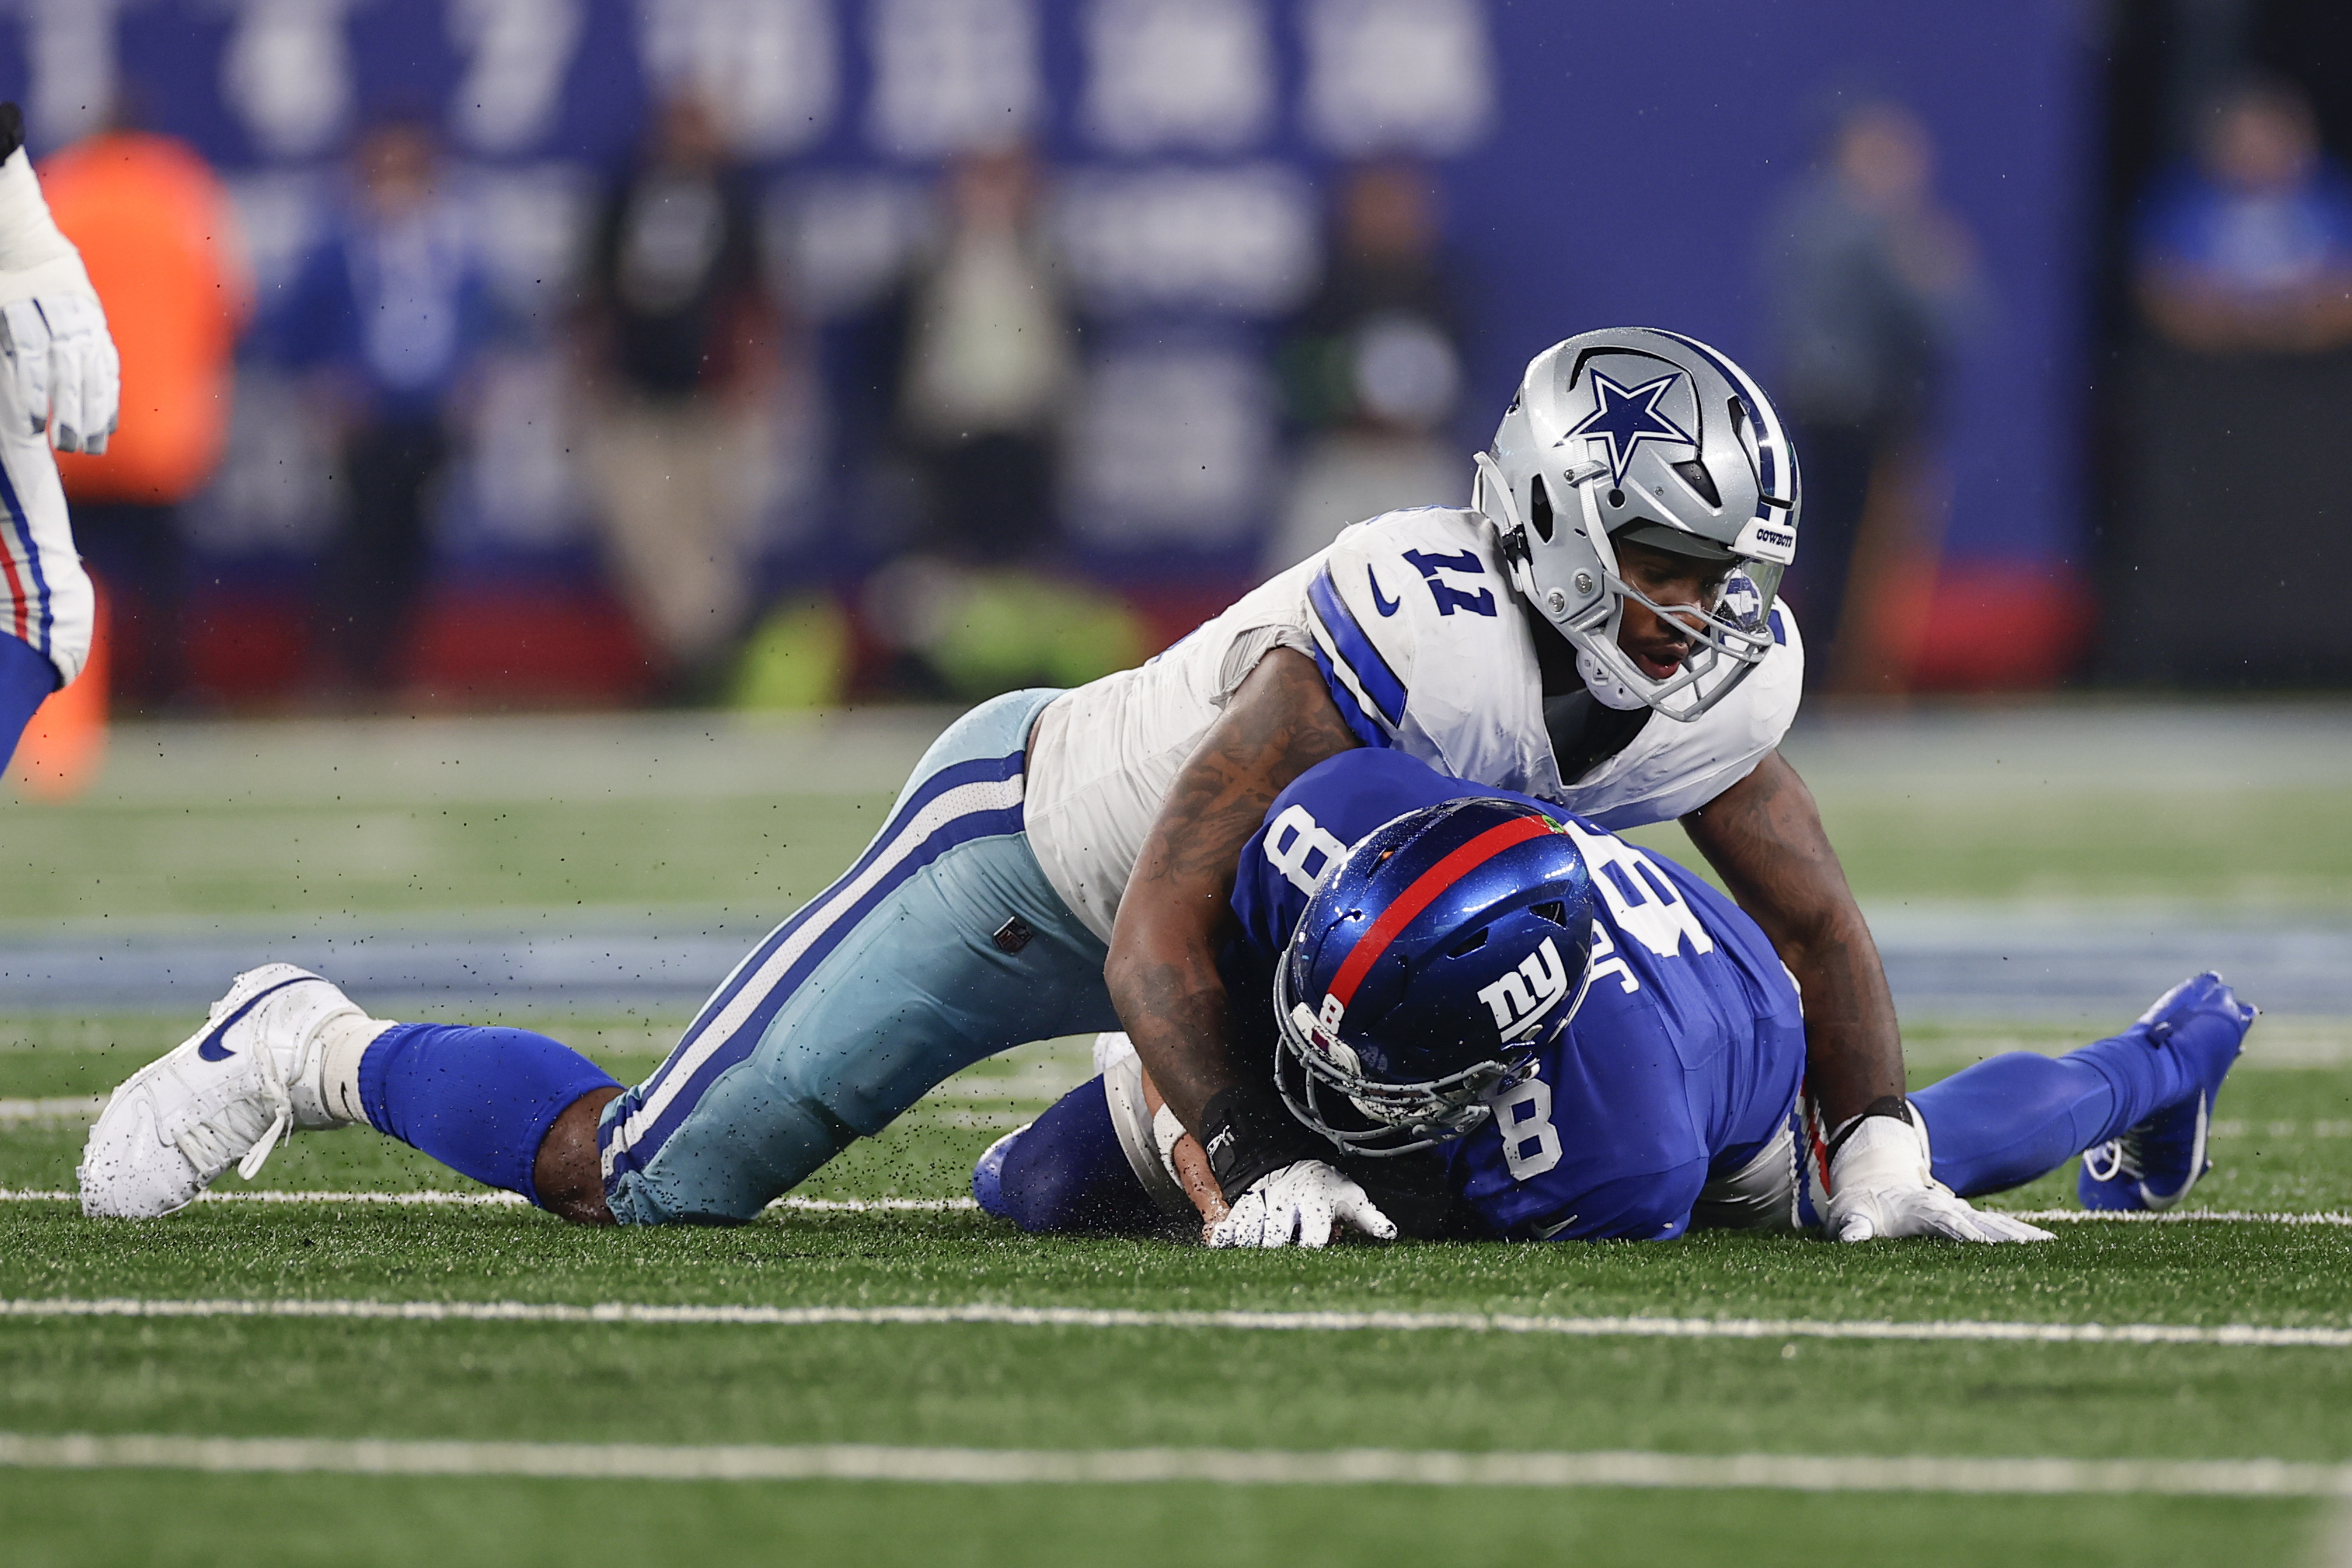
(1607, 686)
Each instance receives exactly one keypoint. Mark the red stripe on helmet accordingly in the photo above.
(1424, 891)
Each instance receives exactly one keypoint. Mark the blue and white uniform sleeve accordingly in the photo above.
(1424, 649)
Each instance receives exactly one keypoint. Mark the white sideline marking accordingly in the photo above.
(2236, 1335)
(2178, 1216)
(1225, 1467)
(64, 1108)
(950, 1205)
(511, 1199)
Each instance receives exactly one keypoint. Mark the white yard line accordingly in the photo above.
(2183, 1216)
(509, 1200)
(1223, 1467)
(2234, 1335)
(63, 1108)
(949, 1205)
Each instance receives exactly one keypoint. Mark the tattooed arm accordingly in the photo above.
(1764, 836)
(1163, 969)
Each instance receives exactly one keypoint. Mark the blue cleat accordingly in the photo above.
(2155, 1162)
(988, 1176)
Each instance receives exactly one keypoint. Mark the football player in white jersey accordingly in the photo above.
(1600, 629)
(1597, 630)
(61, 381)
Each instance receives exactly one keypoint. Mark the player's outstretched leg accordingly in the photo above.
(286, 1051)
(2153, 1163)
(2009, 1120)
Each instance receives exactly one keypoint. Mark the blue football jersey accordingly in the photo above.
(1683, 1061)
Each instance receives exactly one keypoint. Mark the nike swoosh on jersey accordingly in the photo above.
(1548, 1231)
(1385, 605)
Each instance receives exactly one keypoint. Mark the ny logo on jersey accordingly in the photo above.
(1521, 998)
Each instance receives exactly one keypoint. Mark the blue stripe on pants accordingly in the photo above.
(887, 983)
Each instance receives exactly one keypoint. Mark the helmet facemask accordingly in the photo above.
(1732, 633)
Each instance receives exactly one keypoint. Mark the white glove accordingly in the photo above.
(63, 375)
(1881, 1185)
(67, 377)
(1299, 1203)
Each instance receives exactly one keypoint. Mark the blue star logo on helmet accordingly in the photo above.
(1627, 416)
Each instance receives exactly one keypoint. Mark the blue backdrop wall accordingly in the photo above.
(1600, 163)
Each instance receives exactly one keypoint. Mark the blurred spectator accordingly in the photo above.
(2233, 414)
(160, 240)
(1874, 284)
(1372, 369)
(2251, 248)
(390, 312)
(989, 358)
(683, 342)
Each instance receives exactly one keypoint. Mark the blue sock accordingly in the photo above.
(1067, 1173)
(480, 1100)
(27, 679)
(2007, 1120)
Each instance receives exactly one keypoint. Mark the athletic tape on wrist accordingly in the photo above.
(1249, 1131)
(1893, 1105)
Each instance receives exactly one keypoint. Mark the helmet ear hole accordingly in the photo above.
(1468, 945)
(1553, 910)
(1540, 508)
(1695, 476)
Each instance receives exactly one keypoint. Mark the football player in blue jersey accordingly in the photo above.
(1599, 630)
(1501, 1020)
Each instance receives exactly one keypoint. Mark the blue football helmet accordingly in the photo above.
(1432, 965)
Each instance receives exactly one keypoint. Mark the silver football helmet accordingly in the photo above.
(1634, 432)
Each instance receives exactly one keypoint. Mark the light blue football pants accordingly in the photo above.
(943, 944)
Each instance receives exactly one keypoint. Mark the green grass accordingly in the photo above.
(211, 859)
(55, 1522)
(2252, 848)
(1004, 1386)
(143, 860)
(165, 850)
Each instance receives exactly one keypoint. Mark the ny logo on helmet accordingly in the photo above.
(1520, 998)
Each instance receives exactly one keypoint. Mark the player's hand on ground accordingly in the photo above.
(1882, 1185)
(65, 373)
(1301, 1205)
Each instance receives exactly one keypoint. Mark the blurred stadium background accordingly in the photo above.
(2066, 372)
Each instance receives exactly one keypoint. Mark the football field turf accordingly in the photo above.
(877, 1371)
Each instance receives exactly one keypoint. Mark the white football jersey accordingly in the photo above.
(1422, 647)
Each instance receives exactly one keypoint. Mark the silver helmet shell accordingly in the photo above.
(1633, 430)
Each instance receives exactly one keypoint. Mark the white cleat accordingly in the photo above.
(224, 1096)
